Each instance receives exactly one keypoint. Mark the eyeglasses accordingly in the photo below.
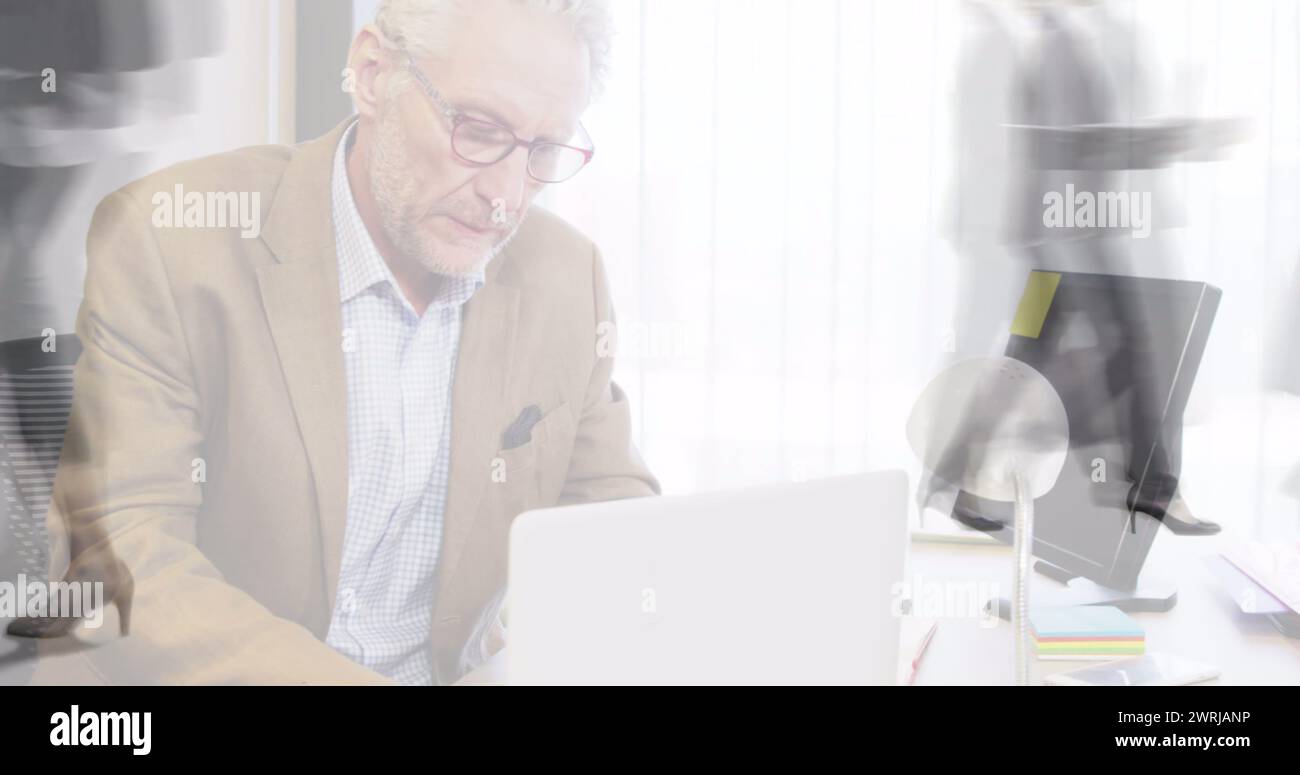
(484, 143)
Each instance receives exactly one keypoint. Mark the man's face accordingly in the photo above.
(515, 66)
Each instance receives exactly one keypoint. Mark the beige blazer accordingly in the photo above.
(215, 357)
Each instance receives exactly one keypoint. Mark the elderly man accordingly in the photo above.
(296, 450)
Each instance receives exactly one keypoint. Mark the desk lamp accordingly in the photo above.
(996, 428)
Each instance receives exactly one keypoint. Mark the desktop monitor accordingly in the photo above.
(1122, 352)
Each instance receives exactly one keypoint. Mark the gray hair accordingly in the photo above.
(420, 26)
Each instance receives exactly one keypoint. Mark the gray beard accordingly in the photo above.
(389, 156)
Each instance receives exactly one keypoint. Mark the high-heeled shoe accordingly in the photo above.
(1173, 513)
(119, 590)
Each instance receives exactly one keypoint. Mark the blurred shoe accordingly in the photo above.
(1173, 513)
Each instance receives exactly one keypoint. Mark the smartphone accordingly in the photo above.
(1148, 670)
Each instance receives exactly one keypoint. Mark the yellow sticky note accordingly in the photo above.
(1034, 304)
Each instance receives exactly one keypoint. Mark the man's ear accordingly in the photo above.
(366, 77)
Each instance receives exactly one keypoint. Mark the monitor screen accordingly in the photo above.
(1122, 352)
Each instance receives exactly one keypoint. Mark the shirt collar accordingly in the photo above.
(360, 265)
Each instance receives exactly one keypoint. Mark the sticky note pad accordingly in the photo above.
(1034, 304)
(1085, 632)
(1089, 622)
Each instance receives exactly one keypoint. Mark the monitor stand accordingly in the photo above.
(1150, 596)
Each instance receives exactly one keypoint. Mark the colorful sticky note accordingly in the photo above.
(1040, 289)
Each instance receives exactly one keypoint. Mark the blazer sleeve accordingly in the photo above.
(124, 496)
(605, 465)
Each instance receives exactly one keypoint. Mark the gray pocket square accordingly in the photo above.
(520, 432)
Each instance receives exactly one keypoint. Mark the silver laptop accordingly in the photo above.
(785, 584)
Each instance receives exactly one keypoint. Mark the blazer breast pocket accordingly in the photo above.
(524, 476)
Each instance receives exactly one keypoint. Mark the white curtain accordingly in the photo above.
(768, 192)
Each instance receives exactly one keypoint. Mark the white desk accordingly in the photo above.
(1205, 624)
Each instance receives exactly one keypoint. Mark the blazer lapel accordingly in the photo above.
(300, 293)
(482, 372)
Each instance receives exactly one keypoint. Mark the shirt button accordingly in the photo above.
(349, 601)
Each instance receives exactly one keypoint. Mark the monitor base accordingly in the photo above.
(1150, 596)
